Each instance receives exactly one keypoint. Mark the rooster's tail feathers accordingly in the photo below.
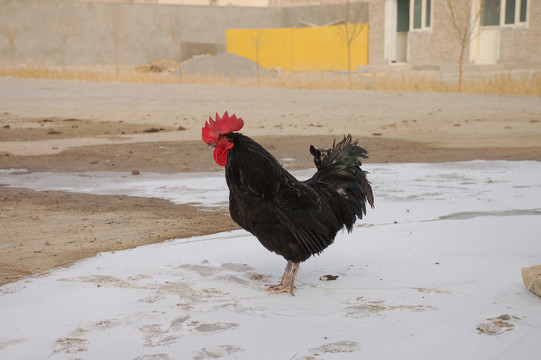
(340, 167)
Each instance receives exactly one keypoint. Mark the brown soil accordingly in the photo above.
(45, 230)
(68, 227)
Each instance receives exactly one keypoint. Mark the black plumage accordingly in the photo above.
(295, 219)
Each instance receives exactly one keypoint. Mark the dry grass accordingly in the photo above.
(496, 84)
(507, 84)
(529, 84)
(82, 75)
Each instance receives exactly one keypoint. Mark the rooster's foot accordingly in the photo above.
(288, 279)
(280, 289)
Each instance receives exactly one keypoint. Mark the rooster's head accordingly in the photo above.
(214, 133)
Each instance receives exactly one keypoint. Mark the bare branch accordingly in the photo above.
(176, 36)
(257, 41)
(465, 18)
(11, 34)
(64, 29)
(116, 30)
(348, 14)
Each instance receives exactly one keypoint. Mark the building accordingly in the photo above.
(418, 33)
(423, 33)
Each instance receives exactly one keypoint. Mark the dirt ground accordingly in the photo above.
(64, 126)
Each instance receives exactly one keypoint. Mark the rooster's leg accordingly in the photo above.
(285, 278)
(288, 279)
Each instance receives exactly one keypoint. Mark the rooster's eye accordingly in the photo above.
(223, 139)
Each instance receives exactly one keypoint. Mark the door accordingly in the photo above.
(489, 35)
(402, 16)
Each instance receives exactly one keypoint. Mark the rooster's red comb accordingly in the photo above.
(222, 125)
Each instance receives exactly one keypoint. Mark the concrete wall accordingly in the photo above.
(437, 45)
(376, 36)
(40, 27)
(521, 45)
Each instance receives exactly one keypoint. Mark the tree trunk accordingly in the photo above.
(179, 72)
(177, 55)
(460, 61)
(349, 65)
(117, 63)
(257, 66)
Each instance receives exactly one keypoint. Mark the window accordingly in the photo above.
(510, 11)
(490, 12)
(403, 16)
(523, 7)
(420, 11)
(515, 11)
(417, 14)
(427, 15)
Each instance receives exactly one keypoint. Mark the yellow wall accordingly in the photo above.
(305, 49)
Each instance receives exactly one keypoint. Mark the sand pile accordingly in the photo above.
(224, 64)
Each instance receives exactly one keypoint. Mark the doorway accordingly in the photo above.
(489, 32)
(401, 22)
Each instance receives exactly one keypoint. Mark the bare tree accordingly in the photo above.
(347, 16)
(64, 29)
(257, 41)
(176, 36)
(465, 17)
(116, 30)
(11, 34)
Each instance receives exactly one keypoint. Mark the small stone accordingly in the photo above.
(531, 276)
(328, 277)
(135, 172)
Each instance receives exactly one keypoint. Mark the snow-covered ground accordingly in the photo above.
(433, 272)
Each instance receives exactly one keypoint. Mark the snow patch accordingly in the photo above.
(434, 270)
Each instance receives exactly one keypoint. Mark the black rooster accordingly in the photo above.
(295, 219)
